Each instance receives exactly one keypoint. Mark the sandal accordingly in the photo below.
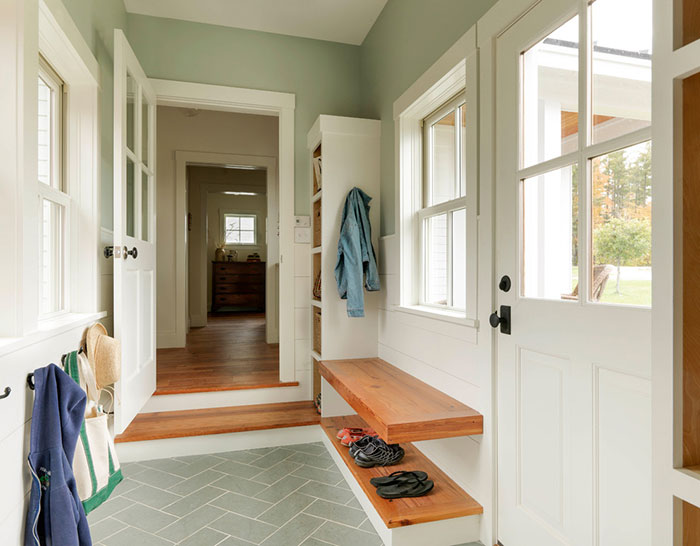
(416, 488)
(398, 477)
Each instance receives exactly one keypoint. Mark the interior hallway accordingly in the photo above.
(230, 353)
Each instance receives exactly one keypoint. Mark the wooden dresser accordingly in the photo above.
(239, 285)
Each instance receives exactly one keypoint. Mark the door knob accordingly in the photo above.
(503, 321)
(133, 253)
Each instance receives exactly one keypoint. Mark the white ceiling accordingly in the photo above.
(345, 21)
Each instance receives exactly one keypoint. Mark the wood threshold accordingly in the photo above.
(193, 389)
(179, 424)
(400, 407)
(446, 500)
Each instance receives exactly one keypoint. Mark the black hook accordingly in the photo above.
(8, 390)
(30, 381)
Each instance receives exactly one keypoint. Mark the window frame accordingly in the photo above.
(253, 215)
(453, 74)
(586, 151)
(57, 193)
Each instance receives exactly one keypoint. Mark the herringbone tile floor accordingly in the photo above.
(283, 496)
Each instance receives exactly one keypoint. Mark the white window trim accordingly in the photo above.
(256, 244)
(455, 71)
(61, 43)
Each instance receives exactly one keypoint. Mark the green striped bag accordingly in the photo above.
(95, 464)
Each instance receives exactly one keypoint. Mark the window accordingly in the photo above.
(604, 244)
(240, 229)
(54, 202)
(443, 214)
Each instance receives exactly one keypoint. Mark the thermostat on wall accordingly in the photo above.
(302, 221)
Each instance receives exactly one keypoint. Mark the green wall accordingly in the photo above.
(323, 75)
(407, 38)
(96, 21)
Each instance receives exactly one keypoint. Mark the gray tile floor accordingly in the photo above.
(283, 496)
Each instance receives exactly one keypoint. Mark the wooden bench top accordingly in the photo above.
(398, 406)
(446, 500)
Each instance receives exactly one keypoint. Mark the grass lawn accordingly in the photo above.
(632, 292)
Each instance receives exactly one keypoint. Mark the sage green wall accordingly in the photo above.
(96, 21)
(407, 38)
(323, 75)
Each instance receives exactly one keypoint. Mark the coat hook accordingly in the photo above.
(8, 390)
(30, 381)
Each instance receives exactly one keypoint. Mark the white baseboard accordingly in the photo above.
(198, 321)
(169, 340)
(216, 443)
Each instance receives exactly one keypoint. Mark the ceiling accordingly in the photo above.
(345, 21)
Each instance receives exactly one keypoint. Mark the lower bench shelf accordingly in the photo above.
(446, 500)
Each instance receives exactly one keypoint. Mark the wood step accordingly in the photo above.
(398, 406)
(446, 500)
(200, 422)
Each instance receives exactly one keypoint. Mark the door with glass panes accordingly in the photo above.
(134, 232)
(573, 234)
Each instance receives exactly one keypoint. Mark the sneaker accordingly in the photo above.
(361, 444)
(343, 432)
(379, 453)
(352, 437)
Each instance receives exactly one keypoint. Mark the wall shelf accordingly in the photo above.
(398, 406)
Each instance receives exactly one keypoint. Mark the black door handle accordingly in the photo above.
(133, 253)
(505, 284)
(503, 321)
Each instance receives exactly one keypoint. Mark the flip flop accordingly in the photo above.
(398, 477)
(406, 489)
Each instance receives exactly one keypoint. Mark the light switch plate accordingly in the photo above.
(302, 221)
(302, 234)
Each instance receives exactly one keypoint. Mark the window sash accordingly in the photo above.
(58, 290)
(57, 133)
(239, 230)
(453, 105)
(422, 216)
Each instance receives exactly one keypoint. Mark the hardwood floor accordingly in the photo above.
(229, 353)
(179, 424)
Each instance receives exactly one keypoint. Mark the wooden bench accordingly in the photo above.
(401, 409)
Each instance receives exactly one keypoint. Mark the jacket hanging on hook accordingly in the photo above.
(357, 263)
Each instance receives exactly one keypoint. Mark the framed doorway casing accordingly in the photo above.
(242, 101)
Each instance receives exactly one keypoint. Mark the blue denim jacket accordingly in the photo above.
(357, 263)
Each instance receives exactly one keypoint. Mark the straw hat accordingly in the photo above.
(104, 355)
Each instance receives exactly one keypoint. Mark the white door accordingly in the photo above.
(134, 232)
(573, 204)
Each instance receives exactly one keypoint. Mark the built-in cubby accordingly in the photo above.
(317, 222)
(690, 515)
(691, 272)
(687, 17)
(317, 332)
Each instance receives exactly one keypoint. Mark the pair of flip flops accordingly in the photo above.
(402, 484)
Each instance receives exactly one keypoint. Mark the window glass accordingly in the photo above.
(239, 229)
(436, 259)
(459, 259)
(145, 131)
(550, 96)
(51, 257)
(45, 136)
(621, 226)
(131, 89)
(621, 66)
(549, 238)
(443, 160)
(130, 199)
(145, 207)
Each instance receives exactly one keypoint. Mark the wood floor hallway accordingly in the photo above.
(230, 353)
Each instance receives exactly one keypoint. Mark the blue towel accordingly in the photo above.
(55, 516)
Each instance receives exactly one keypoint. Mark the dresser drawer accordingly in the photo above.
(255, 287)
(239, 299)
(220, 279)
(239, 268)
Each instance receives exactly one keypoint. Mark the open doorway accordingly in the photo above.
(231, 251)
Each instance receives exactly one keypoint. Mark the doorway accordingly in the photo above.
(573, 361)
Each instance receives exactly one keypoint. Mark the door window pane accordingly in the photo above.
(130, 198)
(436, 259)
(622, 37)
(51, 248)
(443, 156)
(145, 207)
(459, 259)
(621, 226)
(549, 221)
(550, 96)
(145, 131)
(131, 89)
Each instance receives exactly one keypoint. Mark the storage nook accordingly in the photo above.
(357, 388)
